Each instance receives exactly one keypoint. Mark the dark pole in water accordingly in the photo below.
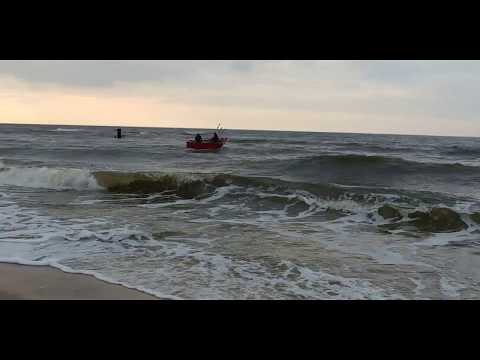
(119, 133)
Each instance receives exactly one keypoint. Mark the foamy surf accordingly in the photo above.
(267, 198)
(48, 178)
(259, 275)
(276, 216)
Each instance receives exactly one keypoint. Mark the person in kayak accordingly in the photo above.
(198, 138)
(215, 138)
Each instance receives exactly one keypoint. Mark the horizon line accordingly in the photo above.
(239, 129)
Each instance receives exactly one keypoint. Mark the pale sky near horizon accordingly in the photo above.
(404, 97)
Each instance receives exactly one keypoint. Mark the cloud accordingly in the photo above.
(104, 73)
(383, 94)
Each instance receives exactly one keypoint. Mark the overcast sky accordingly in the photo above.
(409, 97)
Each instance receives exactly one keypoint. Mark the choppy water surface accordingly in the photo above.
(274, 215)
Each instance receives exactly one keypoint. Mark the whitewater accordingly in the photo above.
(274, 215)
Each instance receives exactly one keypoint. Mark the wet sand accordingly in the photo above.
(19, 282)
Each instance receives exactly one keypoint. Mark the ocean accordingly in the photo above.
(274, 215)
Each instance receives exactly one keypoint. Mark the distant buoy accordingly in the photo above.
(119, 133)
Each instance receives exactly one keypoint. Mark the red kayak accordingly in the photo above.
(206, 145)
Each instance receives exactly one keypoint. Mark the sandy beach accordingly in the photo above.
(19, 282)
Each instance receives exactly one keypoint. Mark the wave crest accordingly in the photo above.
(356, 165)
(151, 183)
(48, 178)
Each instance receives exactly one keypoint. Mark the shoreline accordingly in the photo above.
(26, 282)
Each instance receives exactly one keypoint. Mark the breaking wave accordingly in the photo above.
(48, 178)
(317, 173)
(263, 194)
(193, 185)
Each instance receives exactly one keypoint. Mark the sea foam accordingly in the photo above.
(48, 178)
